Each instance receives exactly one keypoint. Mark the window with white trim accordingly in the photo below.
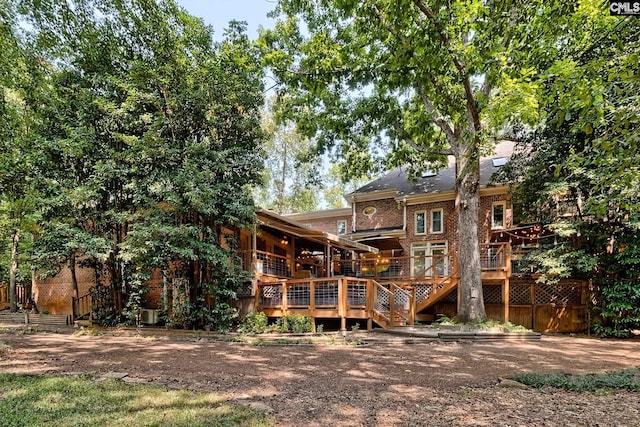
(498, 215)
(421, 222)
(342, 227)
(437, 217)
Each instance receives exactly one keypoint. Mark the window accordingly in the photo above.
(436, 221)
(342, 227)
(429, 259)
(498, 212)
(421, 221)
(369, 211)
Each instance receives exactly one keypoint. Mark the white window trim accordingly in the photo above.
(502, 203)
(342, 221)
(441, 221)
(415, 223)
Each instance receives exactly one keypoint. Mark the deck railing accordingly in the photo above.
(268, 263)
(394, 304)
(81, 306)
(338, 295)
(407, 268)
(23, 294)
(494, 256)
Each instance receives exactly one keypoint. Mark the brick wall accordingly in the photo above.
(153, 297)
(388, 214)
(330, 225)
(449, 224)
(55, 294)
(484, 216)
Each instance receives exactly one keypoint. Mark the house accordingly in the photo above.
(413, 224)
(388, 260)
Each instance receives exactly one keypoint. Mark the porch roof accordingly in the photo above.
(274, 220)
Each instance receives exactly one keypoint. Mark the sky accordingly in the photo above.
(218, 13)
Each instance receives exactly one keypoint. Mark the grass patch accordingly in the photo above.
(27, 400)
(485, 324)
(628, 379)
(281, 341)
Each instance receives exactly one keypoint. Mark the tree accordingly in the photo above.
(289, 183)
(152, 135)
(19, 148)
(416, 80)
(578, 173)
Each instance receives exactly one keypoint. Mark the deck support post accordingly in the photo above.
(342, 303)
(505, 286)
(505, 299)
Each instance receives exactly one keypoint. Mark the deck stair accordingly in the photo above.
(429, 294)
(393, 305)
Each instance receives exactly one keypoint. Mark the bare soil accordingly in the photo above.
(387, 383)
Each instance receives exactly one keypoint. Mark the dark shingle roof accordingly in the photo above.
(443, 181)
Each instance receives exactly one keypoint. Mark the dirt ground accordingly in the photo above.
(387, 383)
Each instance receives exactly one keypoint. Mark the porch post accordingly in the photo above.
(505, 286)
(254, 249)
(292, 260)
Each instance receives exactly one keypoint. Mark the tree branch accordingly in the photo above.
(433, 112)
(472, 109)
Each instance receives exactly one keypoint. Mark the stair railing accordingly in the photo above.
(394, 305)
(81, 306)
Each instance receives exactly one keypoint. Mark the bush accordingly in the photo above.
(295, 323)
(619, 311)
(254, 323)
(628, 380)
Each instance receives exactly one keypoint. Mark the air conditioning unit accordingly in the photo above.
(148, 317)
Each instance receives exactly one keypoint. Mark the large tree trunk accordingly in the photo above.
(13, 269)
(470, 303)
(74, 279)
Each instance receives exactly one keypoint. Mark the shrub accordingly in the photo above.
(295, 323)
(619, 310)
(628, 379)
(254, 323)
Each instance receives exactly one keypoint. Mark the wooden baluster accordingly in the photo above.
(412, 307)
(284, 298)
(392, 306)
(312, 298)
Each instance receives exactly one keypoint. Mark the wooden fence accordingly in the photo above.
(559, 307)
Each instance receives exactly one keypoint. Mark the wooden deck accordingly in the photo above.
(391, 297)
(388, 291)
